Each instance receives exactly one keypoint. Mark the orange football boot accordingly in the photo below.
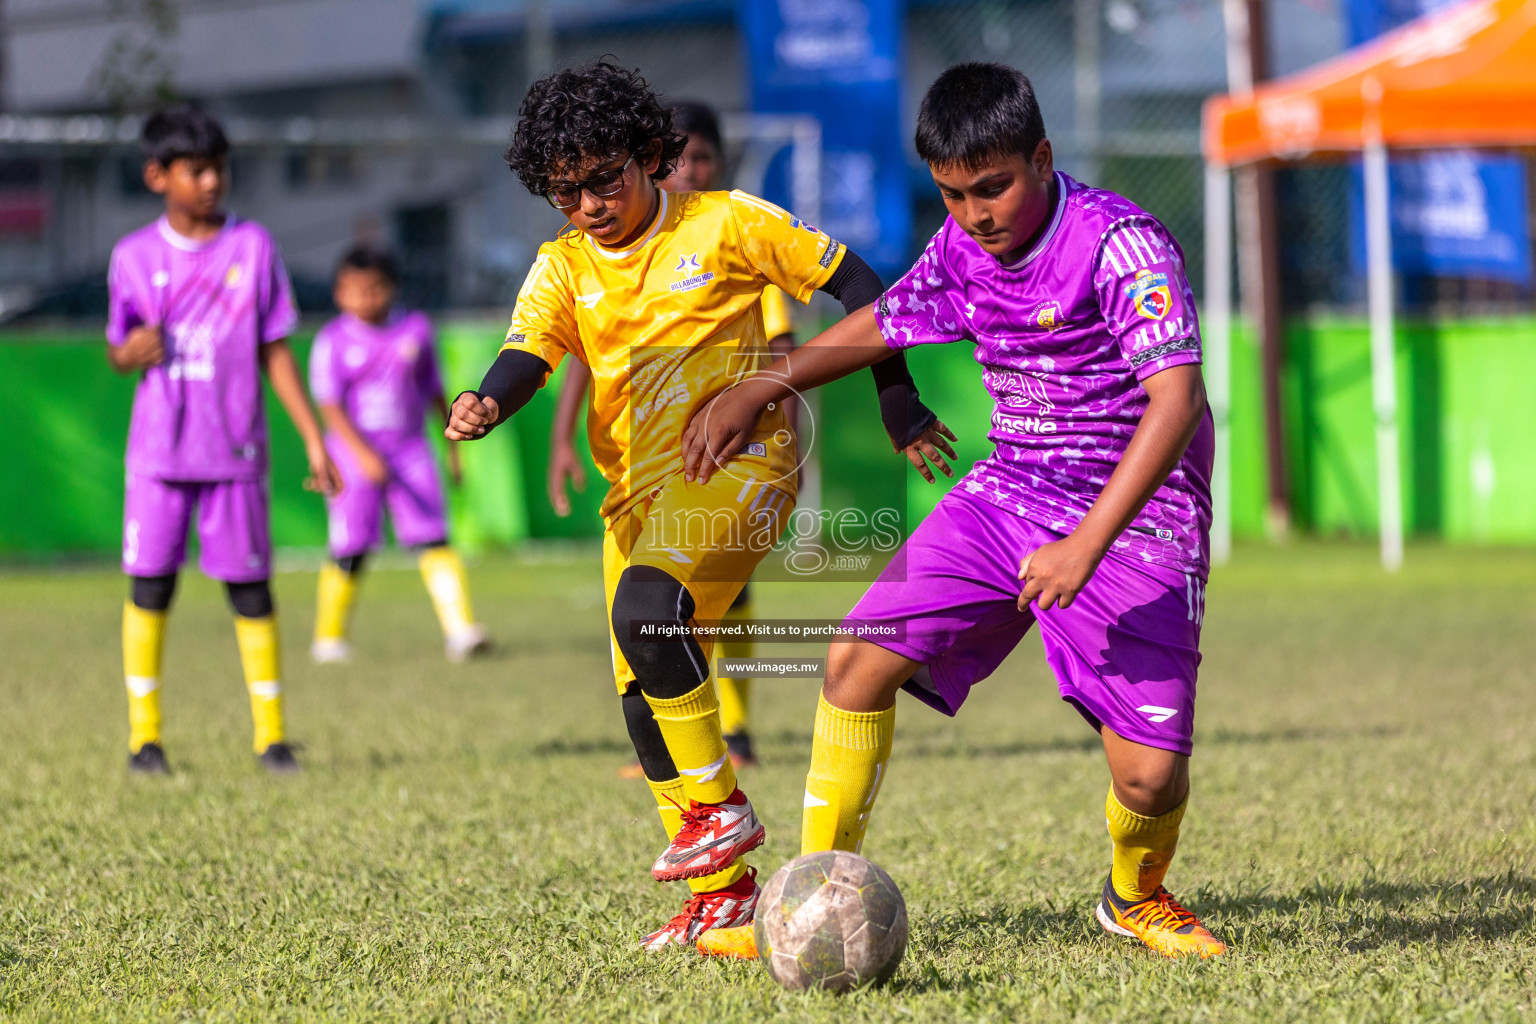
(739, 942)
(1160, 922)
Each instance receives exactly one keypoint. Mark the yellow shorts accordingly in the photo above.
(709, 537)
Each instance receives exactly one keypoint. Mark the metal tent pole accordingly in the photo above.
(1378, 249)
(1218, 353)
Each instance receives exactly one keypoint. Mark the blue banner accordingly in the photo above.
(840, 61)
(1455, 213)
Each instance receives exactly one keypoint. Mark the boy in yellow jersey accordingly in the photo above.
(699, 169)
(657, 295)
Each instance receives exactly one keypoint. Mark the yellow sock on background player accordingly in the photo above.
(337, 590)
(735, 692)
(443, 573)
(143, 644)
(260, 658)
(849, 754)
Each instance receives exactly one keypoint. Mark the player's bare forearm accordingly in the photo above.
(573, 391)
(339, 423)
(282, 372)
(142, 348)
(1055, 573)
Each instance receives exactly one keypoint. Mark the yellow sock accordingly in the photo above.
(333, 603)
(443, 574)
(691, 726)
(143, 641)
(1143, 847)
(670, 800)
(259, 657)
(848, 758)
(735, 693)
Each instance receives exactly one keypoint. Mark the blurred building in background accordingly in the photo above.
(383, 119)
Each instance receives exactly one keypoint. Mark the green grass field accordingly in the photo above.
(459, 848)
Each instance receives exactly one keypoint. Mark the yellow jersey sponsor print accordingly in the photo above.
(667, 323)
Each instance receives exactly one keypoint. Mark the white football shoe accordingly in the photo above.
(330, 652)
(731, 907)
(712, 837)
(466, 644)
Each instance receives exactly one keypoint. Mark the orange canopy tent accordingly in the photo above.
(1462, 76)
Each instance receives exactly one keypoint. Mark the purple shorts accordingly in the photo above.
(1125, 653)
(233, 531)
(413, 495)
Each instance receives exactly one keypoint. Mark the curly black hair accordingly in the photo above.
(600, 110)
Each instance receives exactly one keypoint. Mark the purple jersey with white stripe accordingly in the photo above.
(1065, 336)
(383, 375)
(198, 415)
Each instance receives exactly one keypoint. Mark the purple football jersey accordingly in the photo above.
(1065, 336)
(198, 415)
(384, 376)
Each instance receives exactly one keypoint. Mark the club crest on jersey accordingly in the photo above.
(1047, 315)
(234, 276)
(693, 275)
(1149, 292)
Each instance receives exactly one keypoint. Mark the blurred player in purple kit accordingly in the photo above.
(373, 372)
(1091, 517)
(200, 303)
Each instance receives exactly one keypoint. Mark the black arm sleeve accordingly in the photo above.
(854, 283)
(512, 380)
(905, 417)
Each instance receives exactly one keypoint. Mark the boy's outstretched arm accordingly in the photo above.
(1056, 572)
(506, 388)
(283, 372)
(720, 429)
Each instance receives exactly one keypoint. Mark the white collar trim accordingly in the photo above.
(185, 244)
(619, 254)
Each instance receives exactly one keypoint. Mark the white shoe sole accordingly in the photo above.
(1109, 925)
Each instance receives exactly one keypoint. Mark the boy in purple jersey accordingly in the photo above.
(1091, 517)
(200, 303)
(373, 372)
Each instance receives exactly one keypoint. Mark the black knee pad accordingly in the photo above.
(153, 593)
(352, 564)
(250, 600)
(645, 734)
(669, 666)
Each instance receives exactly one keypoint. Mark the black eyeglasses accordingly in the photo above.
(603, 184)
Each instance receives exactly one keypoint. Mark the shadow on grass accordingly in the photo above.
(1371, 914)
(1351, 917)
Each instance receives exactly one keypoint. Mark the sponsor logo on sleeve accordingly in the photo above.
(516, 339)
(833, 247)
(757, 448)
(1167, 348)
(1149, 293)
(796, 222)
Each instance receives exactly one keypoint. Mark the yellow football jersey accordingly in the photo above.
(667, 323)
(776, 316)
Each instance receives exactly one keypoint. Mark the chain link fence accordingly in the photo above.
(415, 161)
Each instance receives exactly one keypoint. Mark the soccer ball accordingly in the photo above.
(831, 920)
